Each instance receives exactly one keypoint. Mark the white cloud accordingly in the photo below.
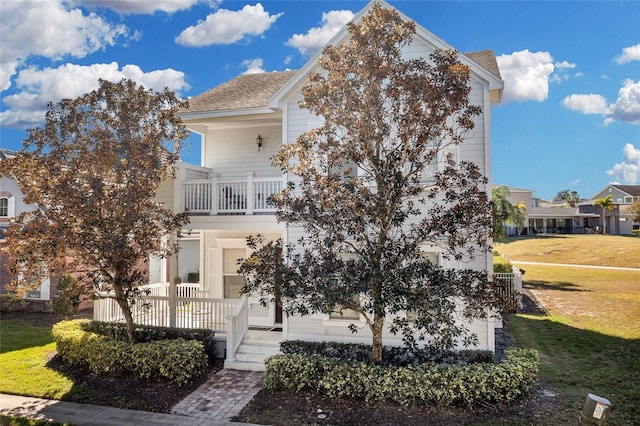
(629, 54)
(564, 65)
(37, 87)
(587, 104)
(626, 108)
(228, 26)
(310, 43)
(254, 66)
(629, 170)
(47, 28)
(526, 75)
(142, 6)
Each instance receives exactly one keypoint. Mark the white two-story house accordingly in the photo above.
(242, 124)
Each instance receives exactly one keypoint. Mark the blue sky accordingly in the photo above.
(570, 117)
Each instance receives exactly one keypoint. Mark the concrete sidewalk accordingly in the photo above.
(214, 403)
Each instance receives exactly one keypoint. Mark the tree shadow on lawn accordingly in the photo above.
(575, 362)
(557, 286)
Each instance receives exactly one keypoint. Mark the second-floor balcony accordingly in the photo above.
(230, 196)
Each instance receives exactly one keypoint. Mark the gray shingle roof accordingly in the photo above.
(486, 59)
(629, 189)
(245, 91)
(255, 90)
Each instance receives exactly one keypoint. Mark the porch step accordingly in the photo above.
(253, 350)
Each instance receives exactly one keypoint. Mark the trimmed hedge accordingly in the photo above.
(178, 361)
(150, 333)
(501, 264)
(428, 384)
(397, 356)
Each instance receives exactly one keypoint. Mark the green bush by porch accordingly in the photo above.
(177, 360)
(429, 383)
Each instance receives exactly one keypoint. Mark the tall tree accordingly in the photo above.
(375, 185)
(93, 170)
(570, 197)
(505, 212)
(606, 205)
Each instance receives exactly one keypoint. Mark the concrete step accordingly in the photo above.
(252, 352)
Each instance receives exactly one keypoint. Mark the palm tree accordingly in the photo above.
(606, 204)
(505, 212)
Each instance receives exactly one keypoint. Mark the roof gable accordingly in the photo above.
(621, 190)
(243, 92)
(633, 190)
(483, 63)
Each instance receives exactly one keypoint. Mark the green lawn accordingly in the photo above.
(609, 250)
(24, 353)
(590, 343)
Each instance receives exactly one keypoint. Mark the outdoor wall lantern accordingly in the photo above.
(259, 142)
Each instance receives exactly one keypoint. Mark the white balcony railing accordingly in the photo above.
(224, 196)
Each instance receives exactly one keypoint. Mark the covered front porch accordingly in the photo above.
(237, 322)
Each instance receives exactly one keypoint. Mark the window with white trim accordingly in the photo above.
(4, 207)
(231, 279)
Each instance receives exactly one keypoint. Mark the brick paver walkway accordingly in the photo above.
(222, 397)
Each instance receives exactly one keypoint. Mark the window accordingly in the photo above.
(232, 281)
(4, 207)
(347, 314)
(628, 199)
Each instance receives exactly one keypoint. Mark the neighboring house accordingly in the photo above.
(619, 221)
(11, 205)
(242, 124)
(548, 218)
(586, 218)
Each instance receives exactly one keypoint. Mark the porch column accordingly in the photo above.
(250, 205)
(544, 225)
(214, 195)
(173, 290)
(178, 189)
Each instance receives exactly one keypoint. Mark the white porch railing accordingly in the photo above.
(191, 310)
(225, 196)
(511, 288)
(238, 325)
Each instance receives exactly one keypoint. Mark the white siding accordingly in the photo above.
(233, 152)
(473, 149)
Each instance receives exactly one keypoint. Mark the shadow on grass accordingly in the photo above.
(575, 362)
(509, 240)
(555, 285)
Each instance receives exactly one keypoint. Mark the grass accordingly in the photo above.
(599, 250)
(590, 342)
(24, 353)
(18, 421)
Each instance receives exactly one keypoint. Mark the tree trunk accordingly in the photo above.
(376, 329)
(126, 311)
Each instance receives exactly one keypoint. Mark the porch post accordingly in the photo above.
(214, 195)
(250, 205)
(173, 271)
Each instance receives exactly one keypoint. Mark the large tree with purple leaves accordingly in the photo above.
(93, 170)
(376, 187)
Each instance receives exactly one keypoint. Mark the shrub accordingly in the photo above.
(11, 302)
(178, 360)
(501, 264)
(428, 383)
(67, 298)
(391, 355)
(149, 333)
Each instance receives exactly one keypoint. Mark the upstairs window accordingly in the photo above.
(4, 207)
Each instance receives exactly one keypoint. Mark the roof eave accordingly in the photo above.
(200, 115)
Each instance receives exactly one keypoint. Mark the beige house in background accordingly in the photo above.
(548, 218)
